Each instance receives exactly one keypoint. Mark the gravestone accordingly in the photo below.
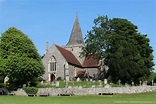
(107, 86)
(152, 83)
(100, 83)
(69, 86)
(105, 81)
(119, 82)
(127, 85)
(41, 82)
(57, 83)
(93, 86)
(145, 83)
(132, 83)
(78, 79)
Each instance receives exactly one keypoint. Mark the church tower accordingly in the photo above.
(76, 41)
(76, 37)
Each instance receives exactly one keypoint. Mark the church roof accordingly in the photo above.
(70, 58)
(90, 61)
(76, 37)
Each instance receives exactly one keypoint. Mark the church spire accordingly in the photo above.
(76, 37)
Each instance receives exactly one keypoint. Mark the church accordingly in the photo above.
(65, 62)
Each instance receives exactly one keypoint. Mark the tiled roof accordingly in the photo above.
(70, 58)
(90, 61)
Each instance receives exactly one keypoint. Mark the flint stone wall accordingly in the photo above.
(88, 91)
(20, 92)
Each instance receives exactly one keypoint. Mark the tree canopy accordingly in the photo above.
(127, 52)
(19, 59)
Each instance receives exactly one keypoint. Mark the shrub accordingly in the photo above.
(59, 78)
(1, 85)
(30, 90)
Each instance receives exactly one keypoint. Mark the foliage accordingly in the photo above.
(127, 53)
(1, 85)
(19, 58)
(151, 77)
(30, 90)
(59, 78)
(1, 81)
(154, 78)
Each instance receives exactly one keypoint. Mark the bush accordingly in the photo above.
(30, 90)
(1, 85)
(59, 79)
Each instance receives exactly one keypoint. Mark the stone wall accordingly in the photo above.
(20, 92)
(88, 91)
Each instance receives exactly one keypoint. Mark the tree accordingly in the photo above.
(155, 78)
(19, 59)
(127, 53)
(151, 78)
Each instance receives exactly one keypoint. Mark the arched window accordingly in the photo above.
(52, 64)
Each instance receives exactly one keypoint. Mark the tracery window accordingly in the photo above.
(52, 64)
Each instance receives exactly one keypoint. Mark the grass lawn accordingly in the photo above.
(142, 98)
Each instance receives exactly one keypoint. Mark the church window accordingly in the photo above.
(52, 64)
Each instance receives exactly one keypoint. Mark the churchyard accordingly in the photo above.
(108, 72)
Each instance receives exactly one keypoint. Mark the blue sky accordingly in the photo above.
(52, 20)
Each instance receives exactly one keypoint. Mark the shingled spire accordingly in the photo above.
(76, 34)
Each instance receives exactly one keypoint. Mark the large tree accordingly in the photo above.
(127, 53)
(19, 59)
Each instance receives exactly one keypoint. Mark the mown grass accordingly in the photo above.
(142, 98)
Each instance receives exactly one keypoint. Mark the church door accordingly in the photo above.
(52, 78)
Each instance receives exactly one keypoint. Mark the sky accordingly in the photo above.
(52, 20)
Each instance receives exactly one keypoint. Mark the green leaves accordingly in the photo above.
(19, 57)
(127, 53)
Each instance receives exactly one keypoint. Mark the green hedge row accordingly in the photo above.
(30, 90)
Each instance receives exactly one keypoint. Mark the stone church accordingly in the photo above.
(65, 61)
